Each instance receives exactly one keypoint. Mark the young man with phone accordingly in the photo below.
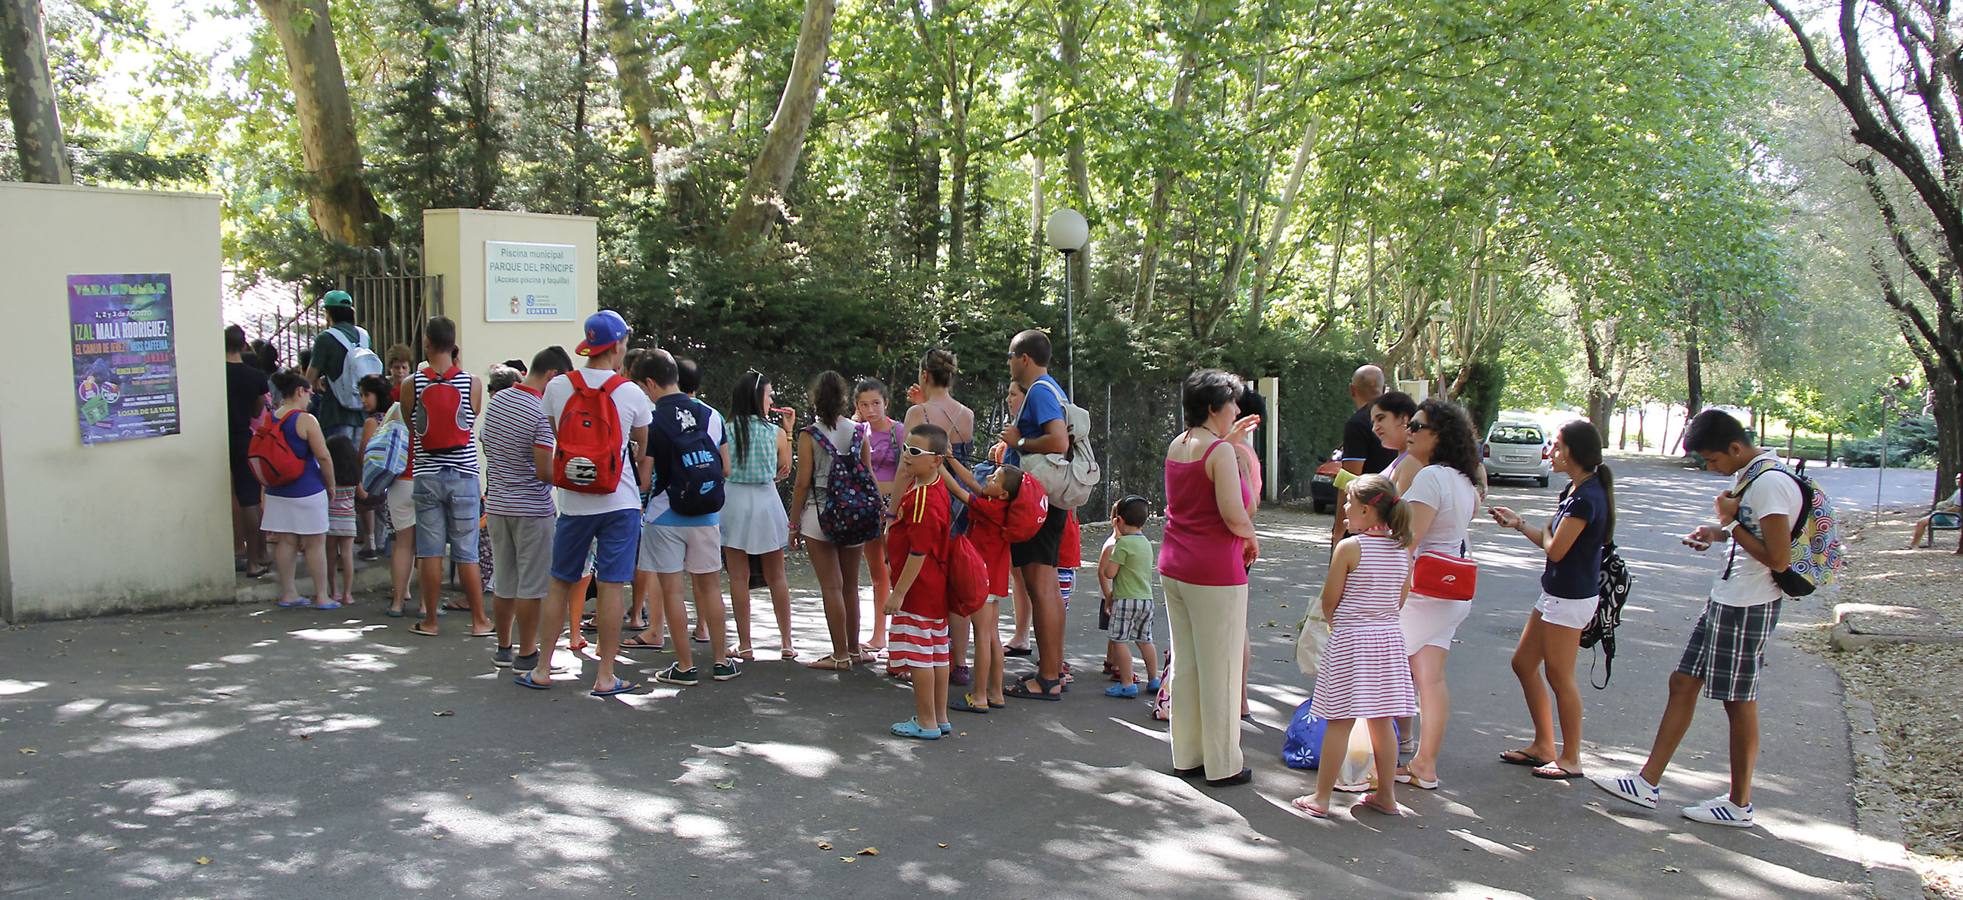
(1727, 647)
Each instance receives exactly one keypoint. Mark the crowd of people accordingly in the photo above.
(602, 473)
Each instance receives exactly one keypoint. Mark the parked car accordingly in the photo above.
(1515, 449)
(1322, 488)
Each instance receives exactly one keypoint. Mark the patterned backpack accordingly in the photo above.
(1817, 552)
(851, 511)
(1615, 583)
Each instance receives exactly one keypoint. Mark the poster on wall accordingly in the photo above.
(530, 282)
(125, 353)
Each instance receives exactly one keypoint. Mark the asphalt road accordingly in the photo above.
(257, 752)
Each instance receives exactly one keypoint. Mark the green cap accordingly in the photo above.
(337, 298)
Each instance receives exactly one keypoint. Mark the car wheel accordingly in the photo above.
(1542, 481)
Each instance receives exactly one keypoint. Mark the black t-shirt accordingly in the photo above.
(1359, 442)
(1578, 574)
(245, 399)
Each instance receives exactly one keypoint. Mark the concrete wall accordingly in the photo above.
(453, 246)
(131, 525)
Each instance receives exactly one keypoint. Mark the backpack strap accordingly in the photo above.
(1805, 492)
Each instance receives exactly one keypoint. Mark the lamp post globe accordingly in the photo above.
(1067, 232)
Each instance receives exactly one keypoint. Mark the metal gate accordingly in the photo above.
(390, 295)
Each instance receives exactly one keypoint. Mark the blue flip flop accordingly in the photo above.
(524, 679)
(620, 686)
(393, 613)
(912, 728)
(294, 603)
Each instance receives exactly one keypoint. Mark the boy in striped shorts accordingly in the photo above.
(917, 638)
(1727, 647)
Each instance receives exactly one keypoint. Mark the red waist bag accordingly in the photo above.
(1444, 576)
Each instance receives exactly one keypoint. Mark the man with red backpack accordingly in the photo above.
(449, 496)
(598, 415)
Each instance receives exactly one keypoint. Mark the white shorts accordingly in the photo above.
(402, 504)
(1567, 612)
(1431, 622)
(668, 549)
(807, 525)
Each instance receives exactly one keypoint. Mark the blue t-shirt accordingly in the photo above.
(1041, 407)
(1578, 575)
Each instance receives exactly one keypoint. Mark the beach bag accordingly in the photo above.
(439, 416)
(1615, 582)
(588, 454)
(967, 577)
(386, 455)
(1301, 745)
(694, 481)
(1310, 636)
(1444, 576)
(1817, 552)
(1067, 477)
(851, 511)
(360, 362)
(270, 457)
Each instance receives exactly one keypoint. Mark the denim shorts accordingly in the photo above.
(448, 506)
(618, 534)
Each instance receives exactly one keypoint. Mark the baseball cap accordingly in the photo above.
(603, 330)
(337, 298)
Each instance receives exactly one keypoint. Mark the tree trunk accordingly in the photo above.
(1161, 204)
(1071, 52)
(579, 142)
(31, 94)
(1622, 437)
(1693, 366)
(1037, 211)
(1949, 429)
(1642, 425)
(763, 190)
(338, 197)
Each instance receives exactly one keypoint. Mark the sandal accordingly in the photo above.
(1370, 801)
(831, 664)
(1306, 803)
(524, 679)
(787, 653)
(425, 632)
(635, 643)
(1020, 690)
(966, 703)
(620, 686)
(1554, 772)
(1522, 758)
(294, 603)
(1404, 776)
(744, 653)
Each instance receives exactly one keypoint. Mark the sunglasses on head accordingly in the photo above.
(911, 450)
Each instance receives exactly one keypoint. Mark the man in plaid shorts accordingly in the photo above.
(1727, 647)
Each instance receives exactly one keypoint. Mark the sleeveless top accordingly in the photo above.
(884, 447)
(961, 450)
(309, 483)
(1372, 592)
(461, 459)
(1198, 548)
(757, 463)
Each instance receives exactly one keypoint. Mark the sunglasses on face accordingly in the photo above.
(911, 450)
(1417, 425)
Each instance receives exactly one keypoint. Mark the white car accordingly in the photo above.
(1519, 450)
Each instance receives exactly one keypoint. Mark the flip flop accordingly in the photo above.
(393, 613)
(620, 686)
(491, 633)
(1306, 804)
(1522, 758)
(635, 643)
(294, 603)
(418, 629)
(328, 604)
(524, 679)
(1013, 650)
(1554, 772)
(1404, 776)
(1369, 802)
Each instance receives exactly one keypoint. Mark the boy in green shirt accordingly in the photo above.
(1124, 572)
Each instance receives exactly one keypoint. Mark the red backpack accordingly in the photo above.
(587, 456)
(440, 421)
(270, 457)
(967, 577)
(1026, 513)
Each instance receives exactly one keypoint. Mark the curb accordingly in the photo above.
(368, 576)
(1877, 812)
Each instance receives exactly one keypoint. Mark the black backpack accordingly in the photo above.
(1615, 582)
(693, 478)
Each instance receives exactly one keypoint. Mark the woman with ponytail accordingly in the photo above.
(1570, 585)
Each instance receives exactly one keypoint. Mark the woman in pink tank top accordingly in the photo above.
(1208, 546)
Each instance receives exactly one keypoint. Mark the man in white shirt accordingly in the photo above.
(1727, 647)
(612, 520)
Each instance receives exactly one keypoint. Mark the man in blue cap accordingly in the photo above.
(340, 411)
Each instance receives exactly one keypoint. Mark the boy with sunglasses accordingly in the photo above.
(917, 638)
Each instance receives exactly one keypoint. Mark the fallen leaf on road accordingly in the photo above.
(1672, 869)
(869, 851)
(725, 785)
(444, 712)
(846, 859)
(943, 846)
(824, 845)
(203, 860)
(28, 751)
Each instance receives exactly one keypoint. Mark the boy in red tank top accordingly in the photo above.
(917, 639)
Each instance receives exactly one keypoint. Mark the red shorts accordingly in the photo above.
(916, 642)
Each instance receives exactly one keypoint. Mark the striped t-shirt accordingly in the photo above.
(514, 423)
(460, 459)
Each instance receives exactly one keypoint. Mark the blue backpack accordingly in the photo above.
(386, 455)
(693, 478)
(852, 509)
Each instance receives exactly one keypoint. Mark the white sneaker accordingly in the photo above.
(1631, 787)
(1720, 811)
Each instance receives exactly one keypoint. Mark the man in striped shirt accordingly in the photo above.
(449, 497)
(517, 450)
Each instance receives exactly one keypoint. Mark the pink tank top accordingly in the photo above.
(1198, 548)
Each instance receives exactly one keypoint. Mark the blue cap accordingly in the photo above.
(603, 330)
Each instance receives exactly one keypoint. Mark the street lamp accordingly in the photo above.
(1067, 233)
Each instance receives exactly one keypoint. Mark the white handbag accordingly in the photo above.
(1310, 635)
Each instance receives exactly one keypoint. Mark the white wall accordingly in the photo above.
(453, 246)
(132, 525)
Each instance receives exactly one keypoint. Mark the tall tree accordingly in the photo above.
(770, 174)
(31, 94)
(338, 197)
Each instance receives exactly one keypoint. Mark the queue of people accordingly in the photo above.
(609, 472)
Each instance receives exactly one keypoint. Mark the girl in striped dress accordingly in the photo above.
(1363, 673)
